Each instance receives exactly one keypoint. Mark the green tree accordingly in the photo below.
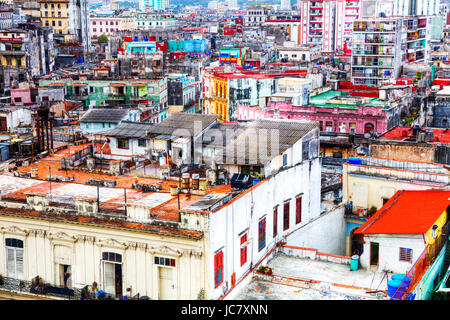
(102, 39)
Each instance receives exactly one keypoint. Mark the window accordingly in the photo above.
(275, 222)
(243, 249)
(112, 272)
(14, 256)
(18, 99)
(286, 216)
(122, 143)
(165, 261)
(305, 150)
(284, 159)
(406, 254)
(298, 210)
(141, 142)
(261, 234)
(218, 269)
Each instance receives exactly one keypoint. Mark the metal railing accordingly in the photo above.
(418, 269)
(33, 287)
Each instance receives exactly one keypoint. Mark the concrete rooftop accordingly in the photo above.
(306, 279)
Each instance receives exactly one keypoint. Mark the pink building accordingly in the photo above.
(104, 25)
(336, 111)
(328, 22)
(20, 96)
(360, 120)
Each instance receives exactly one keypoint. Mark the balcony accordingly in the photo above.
(116, 96)
(79, 96)
(138, 97)
(12, 53)
(24, 287)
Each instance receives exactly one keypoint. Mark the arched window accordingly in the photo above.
(14, 258)
(368, 128)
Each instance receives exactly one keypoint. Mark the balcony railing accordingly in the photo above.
(79, 96)
(33, 287)
(116, 96)
(419, 267)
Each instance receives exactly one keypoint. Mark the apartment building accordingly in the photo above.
(106, 24)
(25, 51)
(254, 17)
(381, 46)
(69, 19)
(156, 5)
(146, 21)
(328, 22)
(94, 93)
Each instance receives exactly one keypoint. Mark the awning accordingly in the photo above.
(117, 84)
(57, 84)
(79, 84)
(138, 85)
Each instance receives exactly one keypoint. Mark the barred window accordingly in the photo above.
(406, 254)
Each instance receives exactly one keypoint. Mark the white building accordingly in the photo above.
(246, 227)
(328, 23)
(380, 47)
(285, 5)
(397, 235)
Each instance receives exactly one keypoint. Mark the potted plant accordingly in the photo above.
(268, 271)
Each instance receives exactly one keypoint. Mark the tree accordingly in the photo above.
(102, 39)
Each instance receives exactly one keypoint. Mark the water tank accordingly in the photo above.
(396, 289)
(4, 151)
(401, 277)
(354, 160)
(241, 181)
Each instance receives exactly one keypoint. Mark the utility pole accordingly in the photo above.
(50, 180)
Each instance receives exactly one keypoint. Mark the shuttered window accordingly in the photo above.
(261, 234)
(14, 256)
(298, 210)
(406, 254)
(218, 268)
(286, 216)
(243, 249)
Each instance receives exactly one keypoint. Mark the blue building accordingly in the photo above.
(98, 120)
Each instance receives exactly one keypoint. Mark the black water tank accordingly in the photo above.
(241, 181)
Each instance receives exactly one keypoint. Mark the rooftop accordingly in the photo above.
(306, 279)
(406, 134)
(128, 129)
(105, 115)
(288, 132)
(343, 100)
(184, 124)
(408, 212)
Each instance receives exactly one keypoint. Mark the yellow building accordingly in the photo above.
(12, 52)
(220, 97)
(54, 13)
(124, 255)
